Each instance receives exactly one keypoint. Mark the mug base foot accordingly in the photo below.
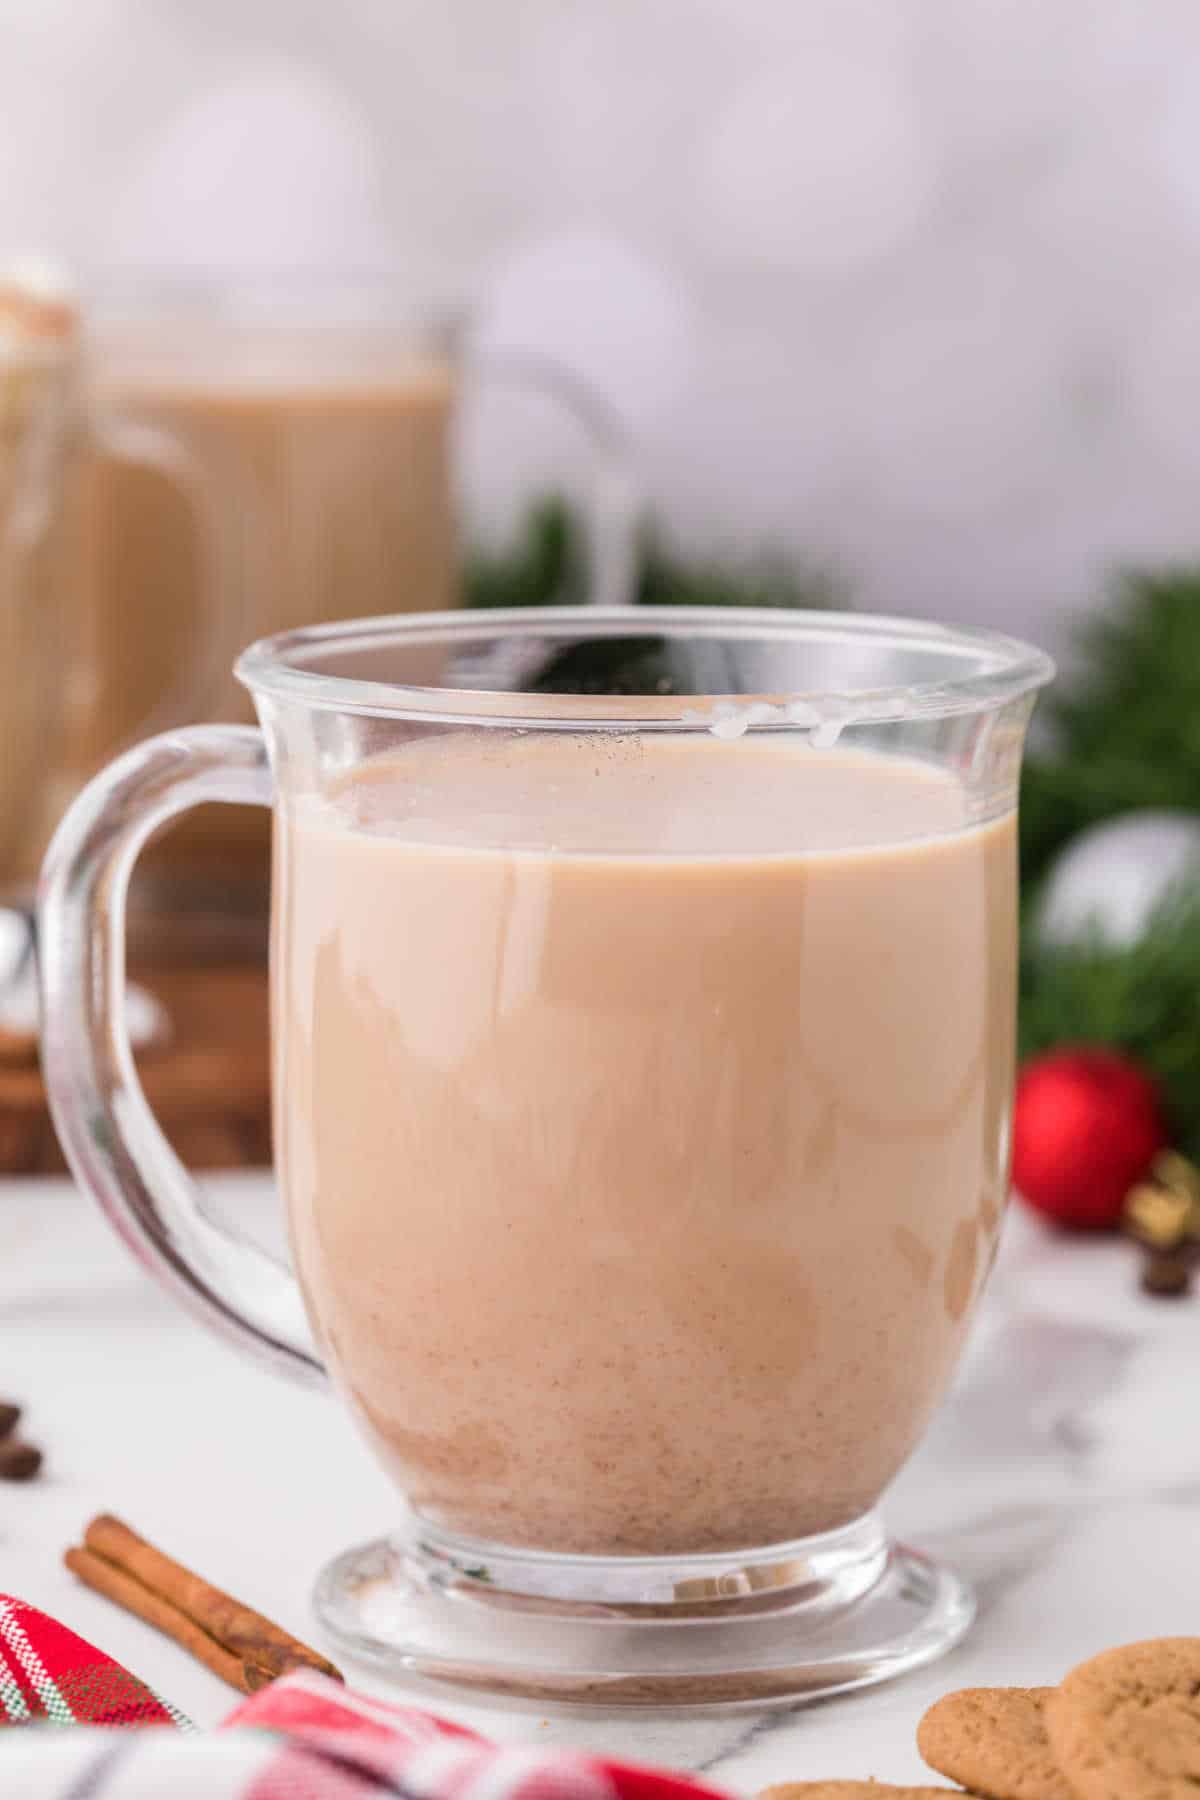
(790, 1622)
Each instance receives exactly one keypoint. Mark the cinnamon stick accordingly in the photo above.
(241, 1646)
(116, 1585)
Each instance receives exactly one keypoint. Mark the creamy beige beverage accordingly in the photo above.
(642, 1117)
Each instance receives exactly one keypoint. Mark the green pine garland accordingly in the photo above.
(1123, 728)
(1124, 723)
(1144, 1002)
(547, 566)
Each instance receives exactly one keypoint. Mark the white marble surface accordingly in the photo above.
(1063, 1475)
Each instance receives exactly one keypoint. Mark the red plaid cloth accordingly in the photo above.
(46, 1672)
(303, 1738)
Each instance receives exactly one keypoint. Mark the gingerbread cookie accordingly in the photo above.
(1126, 1725)
(993, 1741)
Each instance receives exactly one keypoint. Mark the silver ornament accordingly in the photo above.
(1110, 880)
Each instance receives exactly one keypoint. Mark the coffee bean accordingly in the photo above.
(1165, 1276)
(10, 1412)
(18, 1461)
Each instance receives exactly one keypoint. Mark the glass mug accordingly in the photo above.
(643, 1001)
(322, 411)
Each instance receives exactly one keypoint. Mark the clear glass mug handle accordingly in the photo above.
(615, 502)
(115, 1149)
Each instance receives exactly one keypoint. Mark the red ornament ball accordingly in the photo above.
(1087, 1125)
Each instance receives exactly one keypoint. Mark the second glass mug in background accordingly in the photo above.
(54, 695)
(643, 1062)
(319, 414)
(35, 408)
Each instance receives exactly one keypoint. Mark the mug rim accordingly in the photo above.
(1001, 668)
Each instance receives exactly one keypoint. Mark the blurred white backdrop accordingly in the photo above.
(910, 285)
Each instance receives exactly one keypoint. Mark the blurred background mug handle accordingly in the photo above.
(614, 503)
(208, 601)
